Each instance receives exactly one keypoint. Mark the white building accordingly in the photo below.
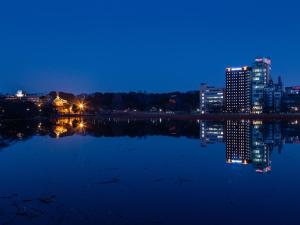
(211, 99)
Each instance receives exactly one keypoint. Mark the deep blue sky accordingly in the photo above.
(157, 45)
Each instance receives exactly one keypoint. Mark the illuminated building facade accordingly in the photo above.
(291, 99)
(261, 75)
(23, 96)
(62, 106)
(237, 138)
(211, 99)
(238, 90)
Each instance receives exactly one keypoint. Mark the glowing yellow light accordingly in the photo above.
(59, 130)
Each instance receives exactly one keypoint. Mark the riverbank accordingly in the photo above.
(187, 116)
(221, 116)
(181, 116)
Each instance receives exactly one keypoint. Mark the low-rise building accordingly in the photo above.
(273, 94)
(211, 99)
(23, 96)
(291, 100)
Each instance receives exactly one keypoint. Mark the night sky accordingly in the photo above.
(154, 46)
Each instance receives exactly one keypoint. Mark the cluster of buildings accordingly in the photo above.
(62, 105)
(250, 89)
(249, 142)
(23, 96)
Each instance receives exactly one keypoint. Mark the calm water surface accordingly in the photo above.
(149, 172)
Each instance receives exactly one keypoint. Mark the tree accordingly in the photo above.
(75, 108)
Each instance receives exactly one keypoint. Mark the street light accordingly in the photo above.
(81, 107)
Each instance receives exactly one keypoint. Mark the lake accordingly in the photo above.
(133, 172)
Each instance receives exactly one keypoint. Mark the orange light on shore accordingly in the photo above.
(81, 106)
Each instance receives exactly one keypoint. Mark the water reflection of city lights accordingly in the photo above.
(59, 130)
(294, 122)
(81, 125)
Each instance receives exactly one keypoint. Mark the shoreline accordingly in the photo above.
(220, 116)
(183, 116)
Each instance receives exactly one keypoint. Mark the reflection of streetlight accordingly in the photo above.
(81, 127)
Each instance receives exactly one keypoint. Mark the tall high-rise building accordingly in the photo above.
(238, 90)
(261, 75)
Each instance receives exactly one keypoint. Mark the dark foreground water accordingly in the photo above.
(149, 172)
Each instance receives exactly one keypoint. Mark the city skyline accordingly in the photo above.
(249, 65)
(149, 112)
(157, 47)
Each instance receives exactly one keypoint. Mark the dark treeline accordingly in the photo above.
(142, 101)
(175, 101)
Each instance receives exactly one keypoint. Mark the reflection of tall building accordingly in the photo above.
(278, 136)
(253, 142)
(238, 90)
(259, 148)
(237, 136)
(211, 132)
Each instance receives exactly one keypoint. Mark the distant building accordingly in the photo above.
(238, 90)
(23, 96)
(268, 103)
(261, 75)
(278, 96)
(273, 94)
(211, 99)
(291, 100)
(62, 106)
